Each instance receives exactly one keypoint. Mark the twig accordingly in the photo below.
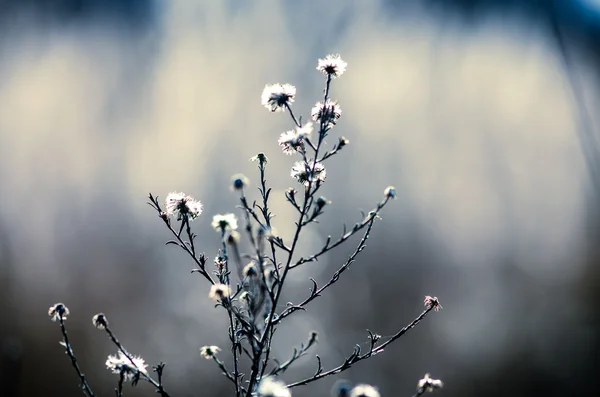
(356, 356)
(69, 351)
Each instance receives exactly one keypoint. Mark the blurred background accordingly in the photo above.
(482, 113)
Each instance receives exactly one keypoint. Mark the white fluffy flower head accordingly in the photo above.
(329, 113)
(269, 387)
(182, 205)
(304, 174)
(120, 363)
(293, 141)
(209, 352)
(332, 65)
(276, 97)
(223, 222)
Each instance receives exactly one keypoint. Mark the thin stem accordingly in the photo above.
(234, 344)
(84, 384)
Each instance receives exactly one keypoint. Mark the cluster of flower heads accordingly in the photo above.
(183, 206)
(278, 98)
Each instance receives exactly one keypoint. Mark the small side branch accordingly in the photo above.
(356, 355)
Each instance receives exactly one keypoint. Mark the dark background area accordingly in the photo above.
(482, 113)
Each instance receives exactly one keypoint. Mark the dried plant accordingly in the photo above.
(250, 302)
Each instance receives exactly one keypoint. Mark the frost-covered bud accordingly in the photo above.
(239, 182)
(332, 65)
(432, 302)
(277, 97)
(100, 321)
(364, 391)
(342, 142)
(427, 384)
(58, 311)
(209, 352)
(219, 292)
(261, 158)
(390, 192)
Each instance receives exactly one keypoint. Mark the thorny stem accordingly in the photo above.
(69, 351)
(159, 387)
(356, 356)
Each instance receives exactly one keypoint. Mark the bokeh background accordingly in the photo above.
(482, 113)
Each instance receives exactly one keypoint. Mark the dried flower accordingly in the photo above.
(329, 113)
(304, 174)
(58, 311)
(122, 364)
(390, 192)
(224, 222)
(364, 391)
(261, 158)
(277, 96)
(432, 302)
(218, 292)
(428, 384)
(209, 352)
(182, 205)
(100, 321)
(269, 387)
(293, 141)
(332, 65)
